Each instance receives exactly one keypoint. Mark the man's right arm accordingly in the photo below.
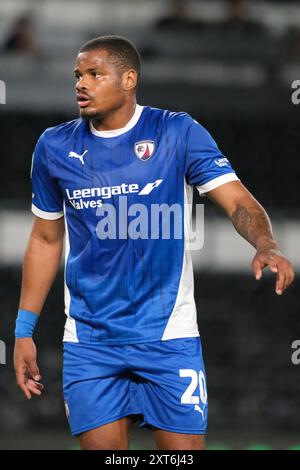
(41, 263)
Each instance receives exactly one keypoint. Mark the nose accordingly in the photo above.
(81, 84)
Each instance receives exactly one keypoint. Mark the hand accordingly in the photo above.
(277, 263)
(27, 372)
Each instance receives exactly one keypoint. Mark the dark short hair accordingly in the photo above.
(126, 54)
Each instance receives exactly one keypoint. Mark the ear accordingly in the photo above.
(129, 80)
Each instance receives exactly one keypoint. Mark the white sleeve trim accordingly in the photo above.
(46, 215)
(216, 182)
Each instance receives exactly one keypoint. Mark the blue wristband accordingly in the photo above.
(25, 324)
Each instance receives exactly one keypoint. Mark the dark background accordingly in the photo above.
(231, 66)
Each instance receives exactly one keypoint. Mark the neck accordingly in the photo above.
(116, 119)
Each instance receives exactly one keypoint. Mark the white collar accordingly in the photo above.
(115, 132)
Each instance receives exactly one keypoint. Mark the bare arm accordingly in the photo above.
(252, 222)
(41, 263)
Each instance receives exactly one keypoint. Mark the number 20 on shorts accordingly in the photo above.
(196, 380)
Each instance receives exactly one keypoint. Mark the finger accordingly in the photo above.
(290, 276)
(38, 385)
(25, 390)
(35, 384)
(33, 388)
(257, 266)
(273, 267)
(21, 381)
(280, 282)
(33, 370)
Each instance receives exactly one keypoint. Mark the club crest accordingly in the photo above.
(144, 149)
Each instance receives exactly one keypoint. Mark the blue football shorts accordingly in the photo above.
(160, 383)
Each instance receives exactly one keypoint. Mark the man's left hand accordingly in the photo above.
(278, 264)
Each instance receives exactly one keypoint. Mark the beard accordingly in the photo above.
(87, 115)
(98, 115)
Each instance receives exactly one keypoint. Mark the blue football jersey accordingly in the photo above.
(128, 278)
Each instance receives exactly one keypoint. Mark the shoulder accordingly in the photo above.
(179, 120)
(61, 132)
(166, 114)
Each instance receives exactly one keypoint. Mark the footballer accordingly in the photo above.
(132, 349)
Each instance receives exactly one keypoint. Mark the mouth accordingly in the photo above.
(83, 100)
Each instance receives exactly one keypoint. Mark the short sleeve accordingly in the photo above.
(47, 200)
(205, 166)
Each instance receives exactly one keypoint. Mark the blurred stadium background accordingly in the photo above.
(231, 65)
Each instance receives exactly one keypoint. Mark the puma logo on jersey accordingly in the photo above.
(76, 155)
(197, 408)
